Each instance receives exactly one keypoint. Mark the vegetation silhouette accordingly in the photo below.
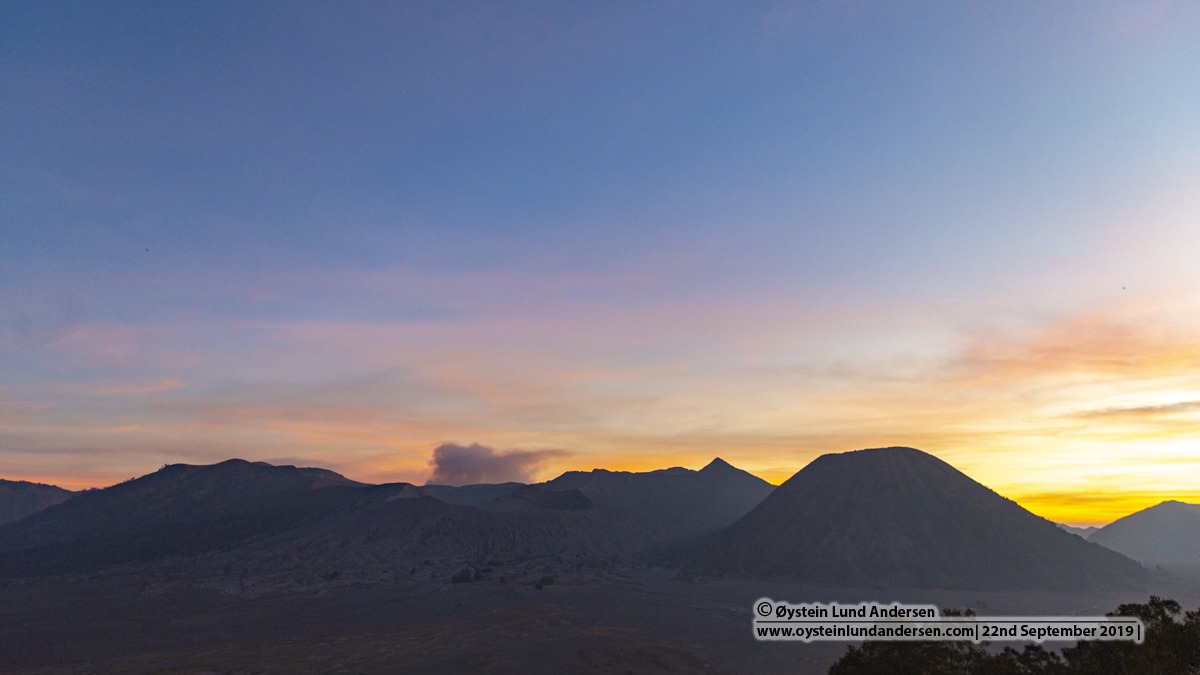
(1171, 647)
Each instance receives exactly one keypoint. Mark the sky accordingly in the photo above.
(565, 236)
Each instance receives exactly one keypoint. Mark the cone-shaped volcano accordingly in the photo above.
(903, 518)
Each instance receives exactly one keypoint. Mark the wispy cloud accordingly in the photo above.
(162, 385)
(24, 405)
(1143, 412)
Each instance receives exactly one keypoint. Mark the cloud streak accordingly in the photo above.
(1144, 412)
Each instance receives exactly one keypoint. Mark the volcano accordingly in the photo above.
(899, 517)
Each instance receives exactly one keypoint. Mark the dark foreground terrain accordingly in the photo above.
(647, 621)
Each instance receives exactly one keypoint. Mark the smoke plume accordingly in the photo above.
(454, 464)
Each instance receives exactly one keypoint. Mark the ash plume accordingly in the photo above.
(455, 464)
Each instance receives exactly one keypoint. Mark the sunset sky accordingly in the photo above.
(618, 235)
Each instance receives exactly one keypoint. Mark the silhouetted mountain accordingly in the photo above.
(1084, 532)
(1166, 533)
(900, 517)
(244, 525)
(530, 532)
(19, 498)
(677, 502)
(180, 509)
(470, 494)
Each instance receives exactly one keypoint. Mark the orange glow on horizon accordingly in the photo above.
(1085, 419)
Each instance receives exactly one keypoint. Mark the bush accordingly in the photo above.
(1170, 647)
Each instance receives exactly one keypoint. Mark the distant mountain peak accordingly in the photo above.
(1168, 532)
(1176, 504)
(20, 498)
(719, 464)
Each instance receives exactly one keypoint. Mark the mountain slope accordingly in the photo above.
(526, 534)
(180, 509)
(677, 502)
(901, 517)
(470, 494)
(19, 499)
(1166, 533)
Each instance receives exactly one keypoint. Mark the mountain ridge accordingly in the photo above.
(255, 516)
(179, 509)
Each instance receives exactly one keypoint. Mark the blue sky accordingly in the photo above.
(636, 234)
